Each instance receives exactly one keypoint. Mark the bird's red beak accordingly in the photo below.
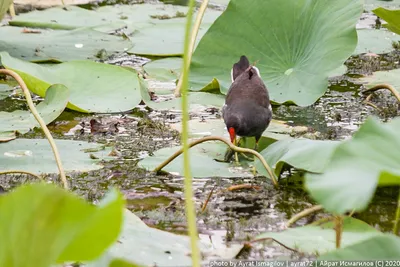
(232, 134)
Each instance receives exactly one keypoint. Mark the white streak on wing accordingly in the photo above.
(232, 75)
(257, 70)
(270, 108)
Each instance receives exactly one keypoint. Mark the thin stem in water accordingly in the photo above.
(189, 203)
(41, 123)
(303, 214)
(193, 37)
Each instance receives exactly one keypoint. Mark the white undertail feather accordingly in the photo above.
(257, 70)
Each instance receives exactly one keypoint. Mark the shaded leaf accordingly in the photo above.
(35, 155)
(63, 229)
(392, 17)
(94, 87)
(303, 154)
(294, 66)
(357, 166)
(321, 239)
(22, 121)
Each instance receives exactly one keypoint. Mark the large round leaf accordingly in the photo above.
(357, 166)
(295, 42)
(22, 121)
(42, 224)
(94, 87)
(59, 45)
(36, 156)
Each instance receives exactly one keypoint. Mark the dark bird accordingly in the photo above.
(247, 111)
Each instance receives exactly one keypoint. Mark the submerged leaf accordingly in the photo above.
(94, 87)
(296, 44)
(357, 166)
(321, 239)
(44, 224)
(382, 247)
(22, 121)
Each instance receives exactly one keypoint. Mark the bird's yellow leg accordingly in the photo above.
(236, 154)
(254, 171)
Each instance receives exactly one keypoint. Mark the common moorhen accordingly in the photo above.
(247, 111)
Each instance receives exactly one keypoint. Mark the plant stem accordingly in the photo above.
(384, 86)
(231, 146)
(338, 229)
(396, 220)
(193, 37)
(303, 213)
(189, 203)
(22, 172)
(41, 123)
(12, 10)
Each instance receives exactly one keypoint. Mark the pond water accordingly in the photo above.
(234, 216)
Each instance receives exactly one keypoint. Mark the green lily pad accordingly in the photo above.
(392, 17)
(23, 121)
(303, 154)
(169, 69)
(295, 67)
(166, 37)
(59, 45)
(64, 19)
(200, 156)
(390, 77)
(36, 156)
(5, 90)
(170, 102)
(375, 41)
(94, 87)
(357, 166)
(7, 136)
(206, 154)
(322, 239)
(116, 17)
(61, 226)
(383, 247)
(169, 250)
(277, 130)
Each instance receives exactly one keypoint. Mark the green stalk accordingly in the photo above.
(189, 205)
(396, 220)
